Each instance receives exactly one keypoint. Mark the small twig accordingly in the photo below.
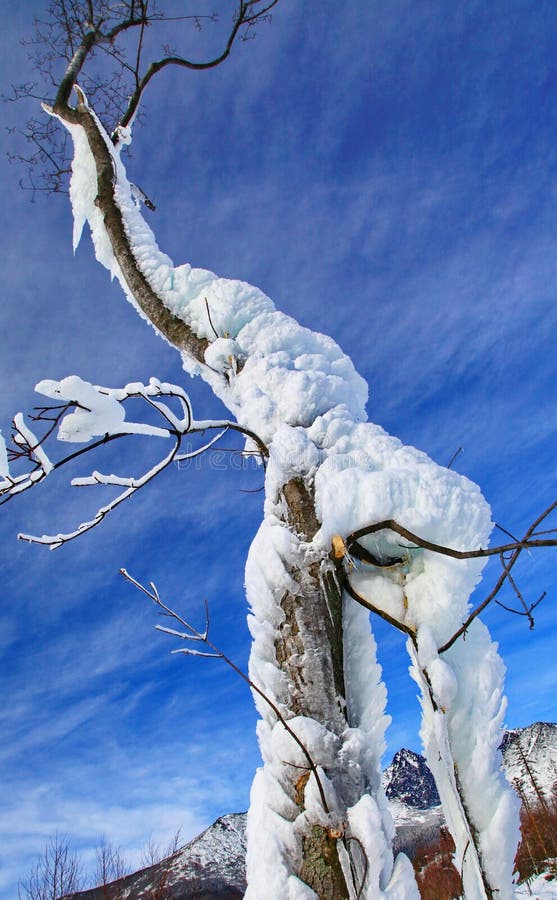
(517, 612)
(375, 609)
(454, 456)
(527, 610)
(192, 633)
(508, 533)
(215, 332)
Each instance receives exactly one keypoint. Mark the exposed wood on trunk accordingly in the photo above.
(321, 867)
(315, 613)
(301, 509)
(305, 652)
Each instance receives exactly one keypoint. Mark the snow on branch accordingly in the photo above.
(345, 551)
(94, 415)
(4, 466)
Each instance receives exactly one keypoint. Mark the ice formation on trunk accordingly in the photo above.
(302, 396)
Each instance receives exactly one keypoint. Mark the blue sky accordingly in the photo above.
(386, 173)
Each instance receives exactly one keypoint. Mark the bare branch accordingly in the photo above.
(527, 610)
(92, 38)
(529, 541)
(246, 16)
(363, 601)
(454, 456)
(193, 633)
(215, 332)
(391, 525)
(347, 841)
(507, 566)
(518, 612)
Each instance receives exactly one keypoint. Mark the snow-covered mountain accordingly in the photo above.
(530, 758)
(213, 864)
(211, 867)
(408, 780)
(411, 791)
(529, 761)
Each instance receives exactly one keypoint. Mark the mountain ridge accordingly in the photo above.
(212, 865)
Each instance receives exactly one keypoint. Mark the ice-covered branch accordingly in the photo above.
(4, 466)
(55, 541)
(508, 555)
(91, 411)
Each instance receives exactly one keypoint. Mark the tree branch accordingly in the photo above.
(193, 634)
(94, 419)
(530, 540)
(363, 601)
(391, 525)
(242, 18)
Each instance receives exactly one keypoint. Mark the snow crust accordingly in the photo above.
(301, 394)
(540, 888)
(4, 467)
(98, 410)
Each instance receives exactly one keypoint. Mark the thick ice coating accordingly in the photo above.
(300, 393)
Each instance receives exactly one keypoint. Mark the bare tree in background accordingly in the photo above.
(111, 864)
(155, 852)
(57, 872)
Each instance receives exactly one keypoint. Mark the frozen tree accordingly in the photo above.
(353, 520)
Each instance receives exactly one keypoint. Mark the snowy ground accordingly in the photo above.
(539, 889)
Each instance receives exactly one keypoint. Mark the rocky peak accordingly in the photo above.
(408, 780)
